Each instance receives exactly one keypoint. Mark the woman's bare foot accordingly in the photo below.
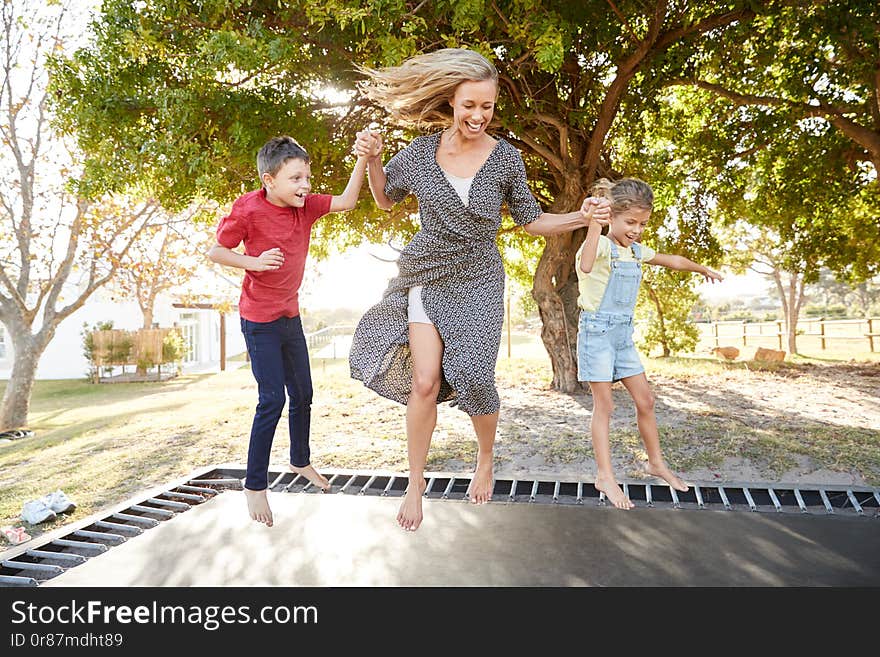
(409, 517)
(667, 475)
(258, 506)
(312, 475)
(480, 488)
(613, 492)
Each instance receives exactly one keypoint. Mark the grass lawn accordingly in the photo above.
(104, 443)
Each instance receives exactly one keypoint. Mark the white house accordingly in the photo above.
(201, 327)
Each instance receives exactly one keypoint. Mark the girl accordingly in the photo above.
(609, 271)
(435, 335)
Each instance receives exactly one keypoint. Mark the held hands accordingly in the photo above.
(269, 260)
(369, 142)
(596, 211)
(711, 275)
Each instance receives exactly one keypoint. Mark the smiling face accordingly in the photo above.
(473, 106)
(628, 225)
(288, 187)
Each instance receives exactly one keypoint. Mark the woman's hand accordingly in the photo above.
(596, 210)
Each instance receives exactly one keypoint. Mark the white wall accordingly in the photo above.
(64, 359)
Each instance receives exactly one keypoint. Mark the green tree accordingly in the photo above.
(181, 94)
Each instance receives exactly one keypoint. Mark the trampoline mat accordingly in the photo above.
(345, 540)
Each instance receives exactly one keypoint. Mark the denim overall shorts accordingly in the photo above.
(605, 347)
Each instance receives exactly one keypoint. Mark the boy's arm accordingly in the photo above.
(369, 144)
(266, 261)
(680, 263)
(348, 199)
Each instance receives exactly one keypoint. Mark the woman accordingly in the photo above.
(435, 335)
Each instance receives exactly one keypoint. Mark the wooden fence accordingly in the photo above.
(825, 331)
(118, 348)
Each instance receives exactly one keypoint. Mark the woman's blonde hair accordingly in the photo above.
(417, 93)
(625, 193)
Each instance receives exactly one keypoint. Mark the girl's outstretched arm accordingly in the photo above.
(680, 263)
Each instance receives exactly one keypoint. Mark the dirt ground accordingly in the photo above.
(800, 424)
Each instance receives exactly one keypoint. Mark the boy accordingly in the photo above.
(274, 223)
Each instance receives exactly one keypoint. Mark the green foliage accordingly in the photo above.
(666, 300)
(172, 348)
(88, 345)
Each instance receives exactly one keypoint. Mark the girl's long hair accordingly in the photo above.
(625, 193)
(417, 92)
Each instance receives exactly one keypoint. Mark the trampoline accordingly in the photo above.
(535, 532)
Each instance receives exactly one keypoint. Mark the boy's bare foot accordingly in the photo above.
(409, 517)
(667, 475)
(480, 488)
(258, 506)
(613, 492)
(312, 475)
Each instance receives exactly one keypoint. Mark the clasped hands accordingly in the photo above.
(368, 143)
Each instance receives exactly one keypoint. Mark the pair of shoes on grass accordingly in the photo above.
(47, 507)
(15, 434)
(15, 535)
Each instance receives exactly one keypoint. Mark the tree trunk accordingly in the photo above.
(555, 290)
(148, 323)
(17, 397)
(664, 341)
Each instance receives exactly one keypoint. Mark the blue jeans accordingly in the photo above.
(279, 361)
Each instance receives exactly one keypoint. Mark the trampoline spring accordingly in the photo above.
(556, 492)
(626, 490)
(699, 495)
(580, 493)
(138, 520)
(215, 482)
(164, 513)
(428, 487)
(120, 528)
(43, 568)
(104, 536)
(206, 491)
(76, 559)
(292, 482)
(80, 545)
(877, 496)
(334, 478)
(448, 488)
(854, 501)
(800, 500)
(774, 499)
(724, 499)
(749, 499)
(388, 486)
(826, 501)
(348, 483)
(512, 495)
(366, 486)
(198, 499)
(534, 492)
(675, 503)
(277, 480)
(602, 498)
(181, 506)
(17, 580)
(649, 498)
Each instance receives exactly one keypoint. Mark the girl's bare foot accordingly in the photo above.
(667, 475)
(409, 517)
(480, 488)
(613, 492)
(258, 506)
(312, 475)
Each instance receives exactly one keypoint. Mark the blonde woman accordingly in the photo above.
(435, 335)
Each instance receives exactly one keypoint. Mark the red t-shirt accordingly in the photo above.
(268, 295)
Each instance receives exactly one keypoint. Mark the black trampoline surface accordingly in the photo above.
(534, 533)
